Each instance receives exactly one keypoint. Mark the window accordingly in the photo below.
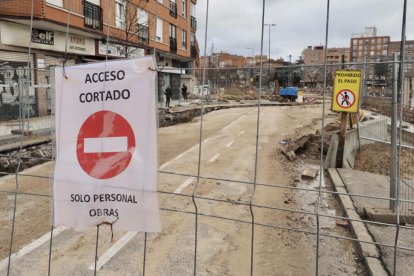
(120, 13)
(194, 53)
(92, 15)
(192, 41)
(184, 11)
(173, 38)
(159, 29)
(143, 30)
(142, 17)
(58, 3)
(184, 39)
(95, 2)
(173, 31)
(173, 8)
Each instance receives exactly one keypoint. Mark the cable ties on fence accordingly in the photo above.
(111, 224)
(157, 69)
(64, 69)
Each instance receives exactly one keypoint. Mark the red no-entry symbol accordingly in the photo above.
(105, 145)
(345, 98)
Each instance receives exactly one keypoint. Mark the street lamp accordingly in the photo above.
(268, 69)
(251, 69)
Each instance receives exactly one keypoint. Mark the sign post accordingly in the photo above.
(345, 99)
(106, 146)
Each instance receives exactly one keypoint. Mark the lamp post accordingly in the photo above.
(268, 69)
(251, 69)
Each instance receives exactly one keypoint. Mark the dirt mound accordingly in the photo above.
(376, 158)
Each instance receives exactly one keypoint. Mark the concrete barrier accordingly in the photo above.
(375, 129)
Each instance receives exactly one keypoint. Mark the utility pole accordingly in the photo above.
(268, 68)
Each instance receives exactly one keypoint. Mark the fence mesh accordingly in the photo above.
(261, 226)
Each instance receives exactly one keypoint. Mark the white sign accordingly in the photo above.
(106, 146)
(16, 35)
(118, 50)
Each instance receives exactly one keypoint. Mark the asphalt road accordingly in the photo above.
(228, 165)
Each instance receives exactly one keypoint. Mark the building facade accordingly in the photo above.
(368, 45)
(97, 29)
(395, 47)
(338, 55)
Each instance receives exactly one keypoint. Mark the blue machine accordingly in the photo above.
(289, 92)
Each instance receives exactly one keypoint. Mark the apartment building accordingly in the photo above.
(97, 29)
(337, 55)
(315, 55)
(312, 76)
(395, 47)
(369, 45)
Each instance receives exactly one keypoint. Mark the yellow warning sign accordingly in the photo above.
(347, 86)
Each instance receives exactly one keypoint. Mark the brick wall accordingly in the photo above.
(22, 8)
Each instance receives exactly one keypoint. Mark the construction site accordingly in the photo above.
(129, 146)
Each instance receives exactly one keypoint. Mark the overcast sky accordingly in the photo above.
(234, 25)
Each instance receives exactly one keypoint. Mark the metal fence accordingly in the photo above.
(389, 101)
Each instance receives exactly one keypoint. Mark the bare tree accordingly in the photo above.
(313, 76)
(135, 28)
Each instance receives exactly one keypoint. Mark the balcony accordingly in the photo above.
(193, 24)
(193, 51)
(92, 16)
(173, 9)
(173, 45)
(143, 33)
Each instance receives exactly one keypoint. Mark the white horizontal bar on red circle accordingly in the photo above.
(105, 144)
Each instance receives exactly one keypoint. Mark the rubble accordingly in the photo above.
(292, 148)
(17, 160)
(309, 173)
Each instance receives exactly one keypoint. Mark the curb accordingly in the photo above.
(366, 249)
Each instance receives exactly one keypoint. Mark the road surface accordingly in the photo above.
(222, 196)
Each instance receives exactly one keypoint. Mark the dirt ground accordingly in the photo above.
(376, 158)
(288, 248)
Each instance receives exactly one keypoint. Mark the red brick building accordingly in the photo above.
(97, 28)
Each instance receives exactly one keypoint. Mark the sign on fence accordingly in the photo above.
(346, 91)
(106, 146)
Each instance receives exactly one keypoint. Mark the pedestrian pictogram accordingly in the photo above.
(105, 145)
(345, 98)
